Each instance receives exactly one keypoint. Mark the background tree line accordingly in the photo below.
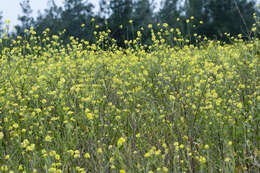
(218, 17)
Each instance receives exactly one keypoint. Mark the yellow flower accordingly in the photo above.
(30, 147)
(147, 154)
(52, 170)
(48, 138)
(90, 116)
(83, 25)
(120, 141)
(122, 171)
(202, 159)
(20, 167)
(7, 21)
(130, 21)
(165, 25)
(24, 143)
(57, 157)
(253, 29)
(76, 154)
(99, 150)
(181, 146)
(157, 152)
(52, 153)
(15, 125)
(87, 155)
(227, 159)
(165, 169)
(240, 105)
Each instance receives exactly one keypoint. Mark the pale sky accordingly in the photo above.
(11, 8)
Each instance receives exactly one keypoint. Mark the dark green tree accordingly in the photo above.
(169, 12)
(51, 18)
(68, 18)
(120, 13)
(231, 16)
(194, 8)
(195, 11)
(143, 15)
(76, 13)
(219, 16)
(143, 12)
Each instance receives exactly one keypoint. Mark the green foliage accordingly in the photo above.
(230, 16)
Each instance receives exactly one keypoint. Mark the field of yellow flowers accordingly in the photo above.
(159, 108)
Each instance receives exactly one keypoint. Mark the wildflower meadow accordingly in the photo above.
(170, 106)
